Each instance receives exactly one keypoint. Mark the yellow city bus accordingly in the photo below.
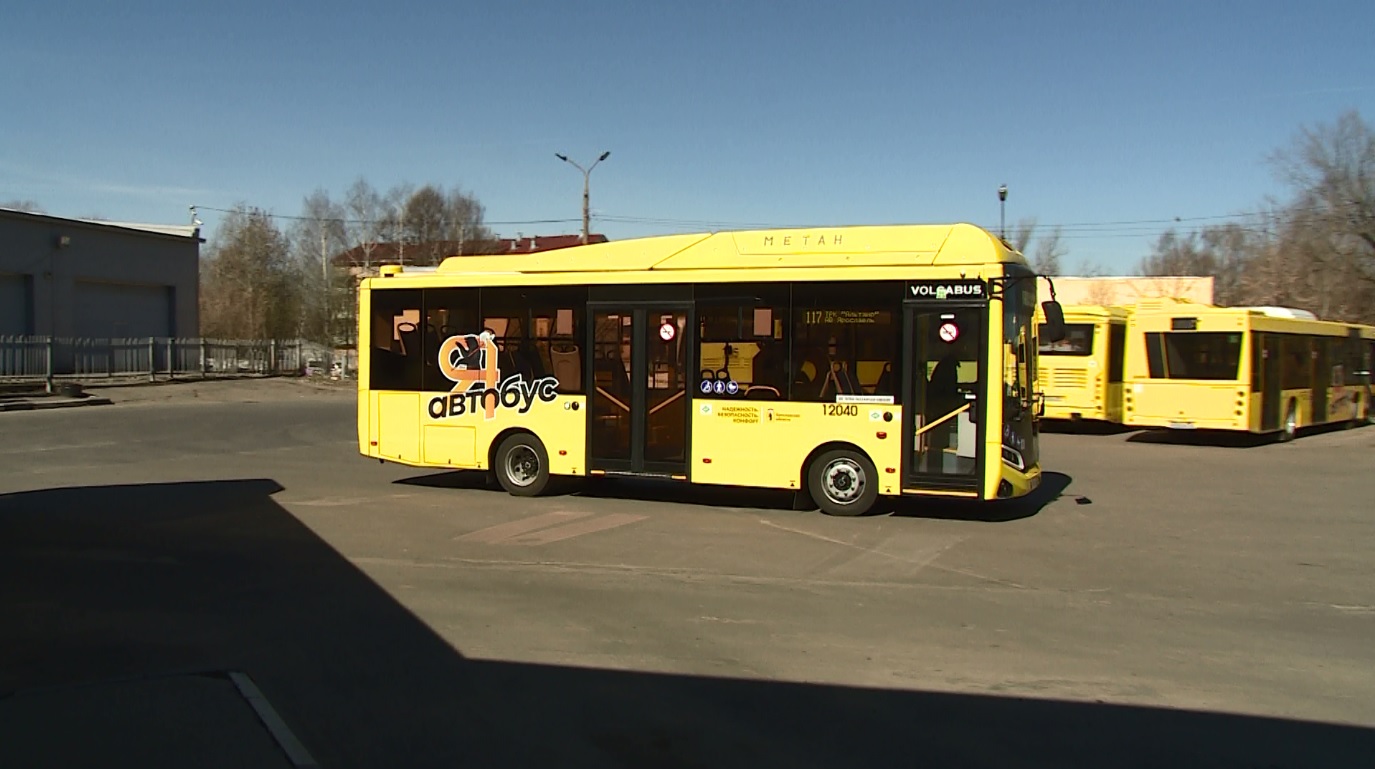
(846, 363)
(1256, 369)
(1081, 374)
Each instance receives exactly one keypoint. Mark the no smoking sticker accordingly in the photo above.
(667, 331)
(949, 332)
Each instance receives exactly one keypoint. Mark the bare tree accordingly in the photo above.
(317, 237)
(23, 205)
(1332, 217)
(1048, 249)
(424, 217)
(249, 287)
(365, 228)
(465, 223)
(1022, 233)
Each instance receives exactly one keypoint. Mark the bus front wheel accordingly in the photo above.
(843, 482)
(522, 466)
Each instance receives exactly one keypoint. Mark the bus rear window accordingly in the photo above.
(1188, 355)
(1078, 340)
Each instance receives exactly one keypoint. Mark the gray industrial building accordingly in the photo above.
(95, 279)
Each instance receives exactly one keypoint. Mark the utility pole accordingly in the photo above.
(586, 183)
(328, 320)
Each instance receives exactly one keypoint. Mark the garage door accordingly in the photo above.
(15, 308)
(118, 310)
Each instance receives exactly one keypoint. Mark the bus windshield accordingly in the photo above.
(1019, 365)
(1018, 309)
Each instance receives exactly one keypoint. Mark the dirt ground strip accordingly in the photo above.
(226, 390)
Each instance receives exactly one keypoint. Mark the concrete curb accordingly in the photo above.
(39, 404)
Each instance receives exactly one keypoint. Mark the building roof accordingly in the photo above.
(190, 232)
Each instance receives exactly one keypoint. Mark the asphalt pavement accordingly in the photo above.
(217, 573)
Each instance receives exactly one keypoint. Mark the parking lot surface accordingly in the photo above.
(1159, 601)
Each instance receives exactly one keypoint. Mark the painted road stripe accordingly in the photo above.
(293, 748)
(570, 530)
(504, 531)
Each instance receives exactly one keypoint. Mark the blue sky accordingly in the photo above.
(719, 114)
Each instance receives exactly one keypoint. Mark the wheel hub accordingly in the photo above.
(844, 481)
(522, 466)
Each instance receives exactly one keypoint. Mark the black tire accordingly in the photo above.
(1290, 427)
(522, 466)
(843, 482)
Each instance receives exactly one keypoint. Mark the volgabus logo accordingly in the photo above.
(470, 362)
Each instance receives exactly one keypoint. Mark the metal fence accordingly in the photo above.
(47, 358)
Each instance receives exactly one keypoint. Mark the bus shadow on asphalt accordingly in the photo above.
(1052, 487)
(1087, 427)
(1231, 439)
(676, 492)
(109, 582)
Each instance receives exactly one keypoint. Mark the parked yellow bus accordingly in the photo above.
(1257, 369)
(846, 363)
(1081, 374)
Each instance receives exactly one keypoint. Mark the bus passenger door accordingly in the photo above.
(638, 412)
(1322, 379)
(1270, 393)
(943, 408)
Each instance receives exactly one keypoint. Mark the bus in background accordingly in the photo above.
(1082, 373)
(1255, 369)
(847, 363)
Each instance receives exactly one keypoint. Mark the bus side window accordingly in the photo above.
(396, 340)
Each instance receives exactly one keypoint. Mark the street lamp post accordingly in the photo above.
(586, 181)
(1002, 206)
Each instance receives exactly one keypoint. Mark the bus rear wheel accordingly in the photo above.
(843, 482)
(522, 466)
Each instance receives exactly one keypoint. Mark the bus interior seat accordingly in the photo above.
(567, 365)
(615, 366)
(839, 381)
(766, 367)
(884, 386)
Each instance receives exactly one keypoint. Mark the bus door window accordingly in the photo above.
(946, 381)
(666, 388)
(610, 403)
(1117, 351)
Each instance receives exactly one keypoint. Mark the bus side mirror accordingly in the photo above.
(1055, 321)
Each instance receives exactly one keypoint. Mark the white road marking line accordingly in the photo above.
(570, 530)
(502, 531)
(65, 447)
(921, 563)
(293, 748)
